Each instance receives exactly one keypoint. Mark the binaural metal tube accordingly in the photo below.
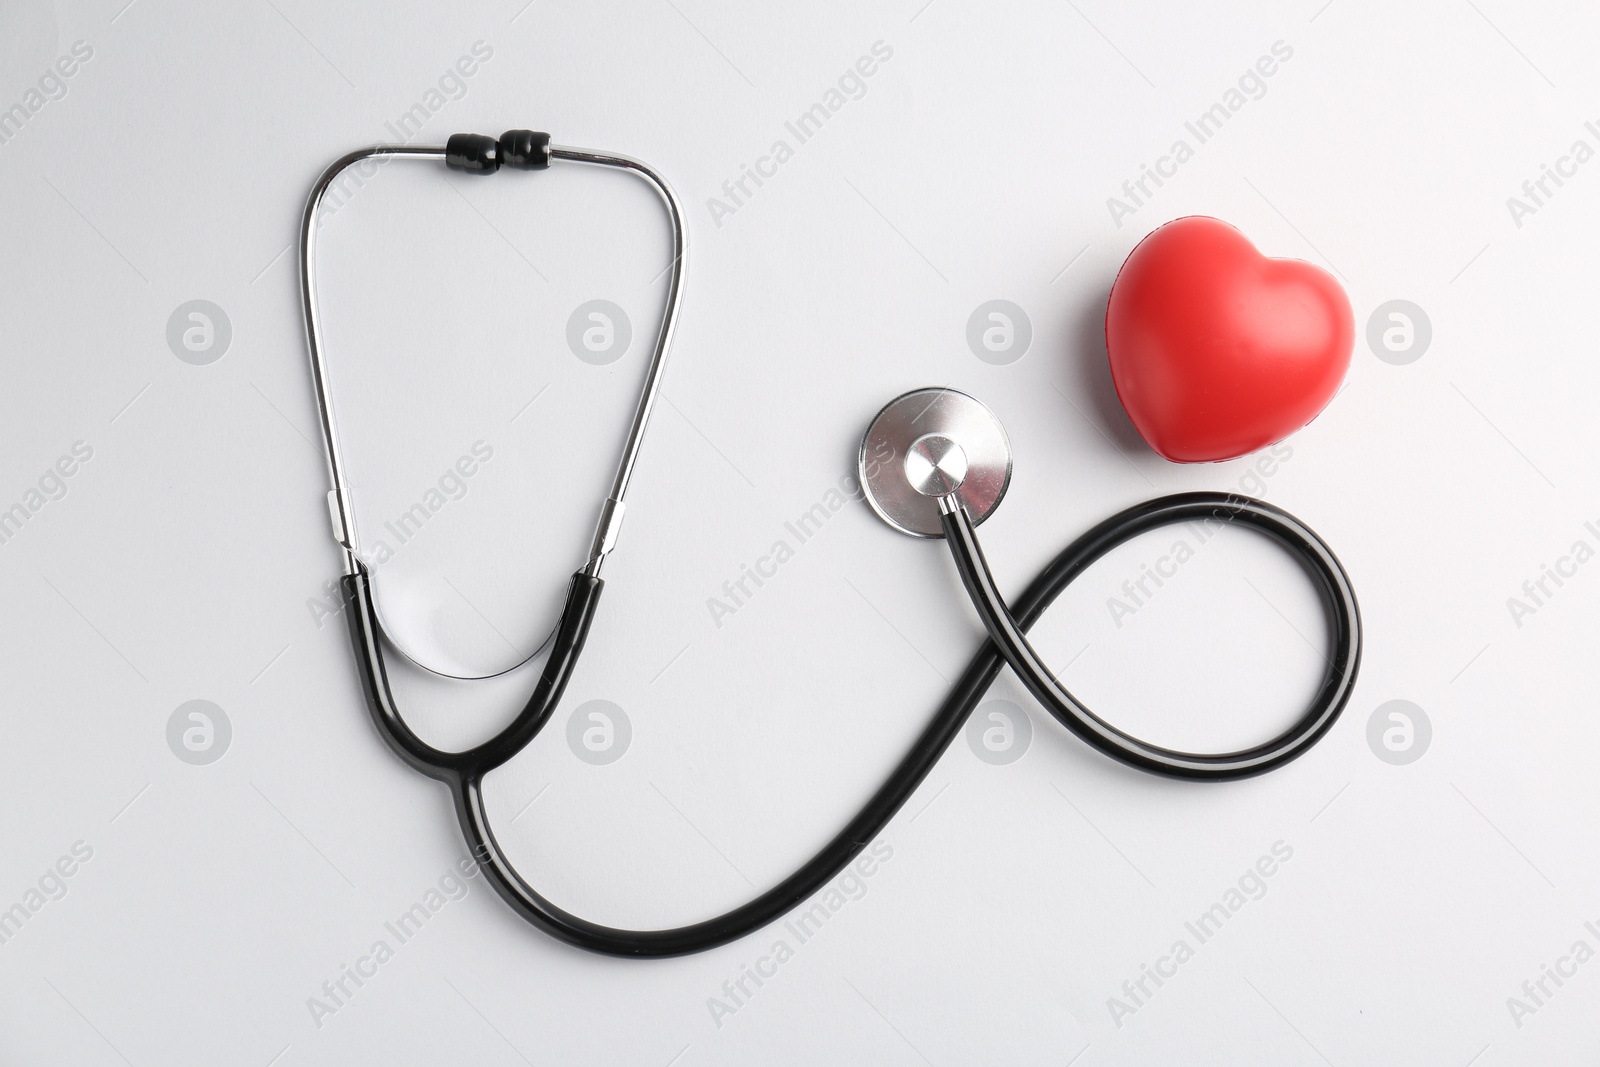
(611, 513)
(343, 514)
(342, 510)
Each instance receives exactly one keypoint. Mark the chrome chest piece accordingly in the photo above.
(929, 444)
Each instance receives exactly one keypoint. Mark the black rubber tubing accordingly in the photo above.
(463, 771)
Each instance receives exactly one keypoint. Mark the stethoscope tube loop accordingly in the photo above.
(1319, 561)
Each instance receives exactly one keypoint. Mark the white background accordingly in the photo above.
(187, 556)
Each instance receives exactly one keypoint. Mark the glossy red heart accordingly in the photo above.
(1217, 350)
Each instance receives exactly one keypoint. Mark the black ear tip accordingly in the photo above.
(525, 149)
(472, 152)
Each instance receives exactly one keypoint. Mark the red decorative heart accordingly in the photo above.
(1217, 350)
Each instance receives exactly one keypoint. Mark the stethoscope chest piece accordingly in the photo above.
(926, 444)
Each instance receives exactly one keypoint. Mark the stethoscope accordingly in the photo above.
(934, 463)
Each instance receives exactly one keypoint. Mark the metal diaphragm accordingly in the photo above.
(907, 426)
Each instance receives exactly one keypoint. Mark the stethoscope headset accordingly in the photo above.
(934, 463)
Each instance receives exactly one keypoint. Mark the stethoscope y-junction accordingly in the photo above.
(934, 463)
